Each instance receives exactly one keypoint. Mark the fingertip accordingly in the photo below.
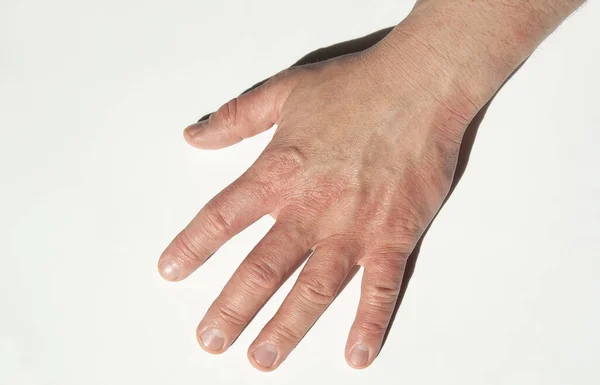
(265, 357)
(169, 270)
(359, 357)
(192, 133)
(206, 137)
(212, 340)
(196, 128)
(255, 365)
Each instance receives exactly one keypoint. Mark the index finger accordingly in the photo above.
(239, 205)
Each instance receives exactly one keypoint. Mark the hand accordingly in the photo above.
(357, 185)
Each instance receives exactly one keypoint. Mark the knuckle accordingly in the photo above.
(389, 259)
(189, 248)
(323, 192)
(295, 230)
(288, 331)
(373, 325)
(339, 249)
(261, 276)
(382, 296)
(406, 217)
(315, 292)
(216, 221)
(283, 162)
(228, 113)
(384, 281)
(406, 225)
(230, 315)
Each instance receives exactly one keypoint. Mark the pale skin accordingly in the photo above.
(362, 159)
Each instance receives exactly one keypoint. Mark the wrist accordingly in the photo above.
(461, 51)
(410, 70)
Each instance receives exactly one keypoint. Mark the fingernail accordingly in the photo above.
(265, 355)
(169, 270)
(196, 128)
(359, 355)
(213, 339)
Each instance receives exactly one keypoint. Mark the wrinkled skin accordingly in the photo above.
(356, 171)
(367, 148)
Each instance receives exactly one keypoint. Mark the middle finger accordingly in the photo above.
(265, 269)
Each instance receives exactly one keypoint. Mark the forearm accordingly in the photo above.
(472, 46)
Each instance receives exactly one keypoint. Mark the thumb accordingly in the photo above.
(245, 116)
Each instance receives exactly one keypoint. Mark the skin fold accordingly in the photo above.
(372, 136)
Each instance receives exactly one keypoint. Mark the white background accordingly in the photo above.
(96, 179)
